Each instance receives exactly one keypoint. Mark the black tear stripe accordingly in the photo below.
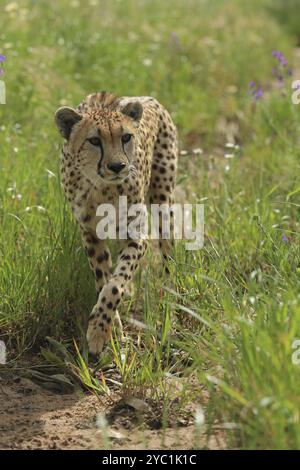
(101, 153)
(125, 153)
(81, 147)
(123, 146)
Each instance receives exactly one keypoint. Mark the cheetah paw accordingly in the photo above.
(96, 338)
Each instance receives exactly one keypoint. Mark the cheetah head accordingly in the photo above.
(102, 142)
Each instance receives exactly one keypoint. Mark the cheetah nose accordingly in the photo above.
(116, 167)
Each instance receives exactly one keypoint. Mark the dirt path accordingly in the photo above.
(34, 418)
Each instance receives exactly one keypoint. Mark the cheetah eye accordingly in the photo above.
(126, 138)
(95, 141)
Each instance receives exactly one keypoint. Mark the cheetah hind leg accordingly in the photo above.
(161, 191)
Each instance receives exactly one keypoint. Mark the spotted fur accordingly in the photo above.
(98, 165)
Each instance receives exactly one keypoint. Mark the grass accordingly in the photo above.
(225, 319)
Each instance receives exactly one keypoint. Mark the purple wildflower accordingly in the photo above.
(284, 238)
(2, 59)
(281, 70)
(280, 57)
(256, 91)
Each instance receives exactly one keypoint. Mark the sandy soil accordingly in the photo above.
(34, 418)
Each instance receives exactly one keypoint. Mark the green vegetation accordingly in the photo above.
(226, 318)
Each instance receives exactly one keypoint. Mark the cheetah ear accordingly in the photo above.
(134, 110)
(65, 119)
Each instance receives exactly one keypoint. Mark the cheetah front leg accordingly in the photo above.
(104, 312)
(99, 258)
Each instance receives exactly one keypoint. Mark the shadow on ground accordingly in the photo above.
(34, 418)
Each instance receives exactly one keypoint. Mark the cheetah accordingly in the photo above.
(115, 146)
